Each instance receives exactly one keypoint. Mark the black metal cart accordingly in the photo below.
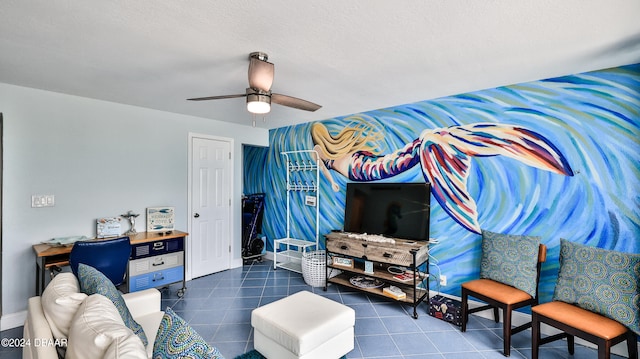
(252, 213)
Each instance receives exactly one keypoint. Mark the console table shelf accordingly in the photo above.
(343, 279)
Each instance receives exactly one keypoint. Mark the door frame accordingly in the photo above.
(232, 234)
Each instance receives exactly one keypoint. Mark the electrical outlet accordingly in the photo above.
(443, 280)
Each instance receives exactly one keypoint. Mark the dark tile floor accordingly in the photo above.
(219, 307)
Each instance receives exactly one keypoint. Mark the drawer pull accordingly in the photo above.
(387, 255)
(158, 246)
(157, 264)
(343, 247)
(158, 279)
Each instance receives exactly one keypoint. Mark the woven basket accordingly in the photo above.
(314, 266)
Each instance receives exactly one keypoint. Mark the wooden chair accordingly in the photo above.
(574, 321)
(500, 296)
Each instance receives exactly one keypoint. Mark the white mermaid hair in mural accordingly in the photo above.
(444, 155)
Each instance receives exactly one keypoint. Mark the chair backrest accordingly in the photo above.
(542, 257)
(542, 254)
(109, 256)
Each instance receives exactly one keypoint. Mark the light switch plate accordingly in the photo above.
(43, 200)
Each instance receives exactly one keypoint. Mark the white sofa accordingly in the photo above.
(42, 332)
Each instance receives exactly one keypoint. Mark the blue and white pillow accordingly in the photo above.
(92, 281)
(176, 339)
(511, 259)
(602, 281)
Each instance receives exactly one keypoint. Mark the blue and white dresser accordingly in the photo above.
(157, 260)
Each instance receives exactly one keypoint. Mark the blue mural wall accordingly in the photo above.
(592, 119)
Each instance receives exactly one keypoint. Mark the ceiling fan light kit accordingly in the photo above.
(258, 94)
(258, 103)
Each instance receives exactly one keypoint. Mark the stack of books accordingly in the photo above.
(394, 292)
(404, 277)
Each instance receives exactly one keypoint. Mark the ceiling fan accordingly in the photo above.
(258, 94)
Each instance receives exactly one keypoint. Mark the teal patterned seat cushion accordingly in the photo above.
(176, 339)
(510, 259)
(600, 280)
(92, 281)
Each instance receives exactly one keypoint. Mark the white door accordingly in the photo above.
(210, 206)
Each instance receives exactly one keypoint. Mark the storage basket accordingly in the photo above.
(314, 267)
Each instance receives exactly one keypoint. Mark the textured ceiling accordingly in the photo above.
(348, 56)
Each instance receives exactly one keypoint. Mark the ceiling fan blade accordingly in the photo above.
(260, 74)
(216, 97)
(289, 101)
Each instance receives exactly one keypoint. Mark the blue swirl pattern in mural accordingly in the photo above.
(592, 119)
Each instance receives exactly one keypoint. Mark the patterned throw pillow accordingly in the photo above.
(92, 281)
(600, 280)
(176, 339)
(510, 259)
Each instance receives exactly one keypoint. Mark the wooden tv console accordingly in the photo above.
(348, 253)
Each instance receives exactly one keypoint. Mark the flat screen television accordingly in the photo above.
(399, 210)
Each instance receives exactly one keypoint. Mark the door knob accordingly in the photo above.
(196, 215)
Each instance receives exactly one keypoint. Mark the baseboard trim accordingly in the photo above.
(236, 263)
(13, 320)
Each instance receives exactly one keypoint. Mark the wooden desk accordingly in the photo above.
(48, 256)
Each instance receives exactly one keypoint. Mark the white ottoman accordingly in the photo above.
(303, 325)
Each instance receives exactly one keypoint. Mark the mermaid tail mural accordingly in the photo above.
(444, 155)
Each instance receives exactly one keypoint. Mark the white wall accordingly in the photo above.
(99, 159)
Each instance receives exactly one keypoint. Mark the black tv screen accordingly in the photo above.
(399, 210)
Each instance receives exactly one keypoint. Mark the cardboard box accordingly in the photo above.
(447, 309)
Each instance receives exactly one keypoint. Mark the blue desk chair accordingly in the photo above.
(110, 257)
